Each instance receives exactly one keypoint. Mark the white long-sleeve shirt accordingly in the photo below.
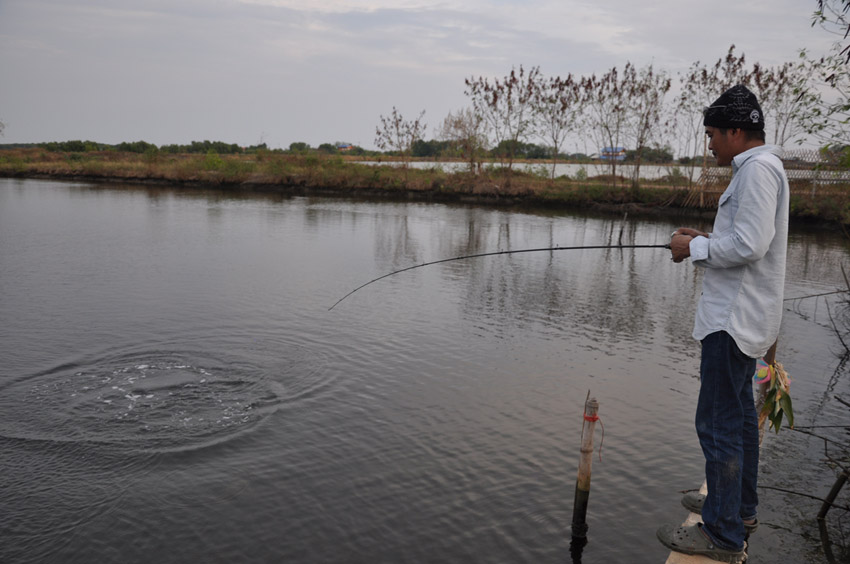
(744, 256)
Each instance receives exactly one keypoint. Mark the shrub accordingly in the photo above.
(213, 161)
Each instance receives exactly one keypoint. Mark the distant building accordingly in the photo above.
(344, 147)
(612, 153)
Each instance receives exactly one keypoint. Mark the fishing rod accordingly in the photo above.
(494, 253)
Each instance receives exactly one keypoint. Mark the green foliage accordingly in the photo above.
(298, 147)
(676, 177)
(432, 148)
(328, 149)
(13, 164)
(215, 146)
(521, 150)
(135, 147)
(202, 147)
(581, 174)
(170, 149)
(836, 155)
(237, 169)
(75, 146)
(213, 161)
(277, 167)
(151, 154)
(540, 171)
(656, 155)
(777, 401)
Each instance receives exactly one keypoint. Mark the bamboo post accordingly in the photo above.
(579, 525)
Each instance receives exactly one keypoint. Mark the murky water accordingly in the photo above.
(173, 387)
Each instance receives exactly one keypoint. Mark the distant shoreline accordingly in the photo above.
(343, 177)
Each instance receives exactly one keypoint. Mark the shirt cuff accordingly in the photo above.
(699, 248)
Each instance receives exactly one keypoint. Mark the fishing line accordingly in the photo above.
(494, 253)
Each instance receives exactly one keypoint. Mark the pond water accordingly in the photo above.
(174, 388)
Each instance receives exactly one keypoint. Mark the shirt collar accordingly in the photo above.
(739, 159)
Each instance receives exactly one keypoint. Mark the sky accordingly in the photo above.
(284, 71)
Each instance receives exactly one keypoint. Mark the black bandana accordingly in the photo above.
(737, 108)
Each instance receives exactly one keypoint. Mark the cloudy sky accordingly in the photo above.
(280, 71)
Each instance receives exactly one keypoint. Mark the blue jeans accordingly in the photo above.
(727, 426)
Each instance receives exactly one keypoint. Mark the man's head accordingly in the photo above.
(733, 123)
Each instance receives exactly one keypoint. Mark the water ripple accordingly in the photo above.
(155, 400)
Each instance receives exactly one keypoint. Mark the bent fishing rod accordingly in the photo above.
(494, 253)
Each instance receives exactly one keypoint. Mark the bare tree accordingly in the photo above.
(826, 107)
(834, 17)
(782, 92)
(698, 87)
(606, 105)
(466, 131)
(397, 134)
(730, 71)
(506, 107)
(556, 109)
(827, 114)
(646, 91)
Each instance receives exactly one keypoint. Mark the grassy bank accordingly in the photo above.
(266, 171)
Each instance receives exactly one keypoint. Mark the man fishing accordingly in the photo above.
(737, 321)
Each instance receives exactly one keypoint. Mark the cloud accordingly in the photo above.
(177, 70)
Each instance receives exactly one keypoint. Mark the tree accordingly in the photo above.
(699, 86)
(646, 91)
(834, 17)
(826, 107)
(655, 155)
(556, 107)
(465, 130)
(130, 147)
(506, 106)
(397, 134)
(299, 147)
(606, 103)
(783, 92)
(432, 148)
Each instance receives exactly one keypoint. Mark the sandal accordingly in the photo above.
(693, 502)
(691, 540)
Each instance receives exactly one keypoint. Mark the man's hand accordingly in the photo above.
(680, 242)
(689, 232)
(680, 246)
